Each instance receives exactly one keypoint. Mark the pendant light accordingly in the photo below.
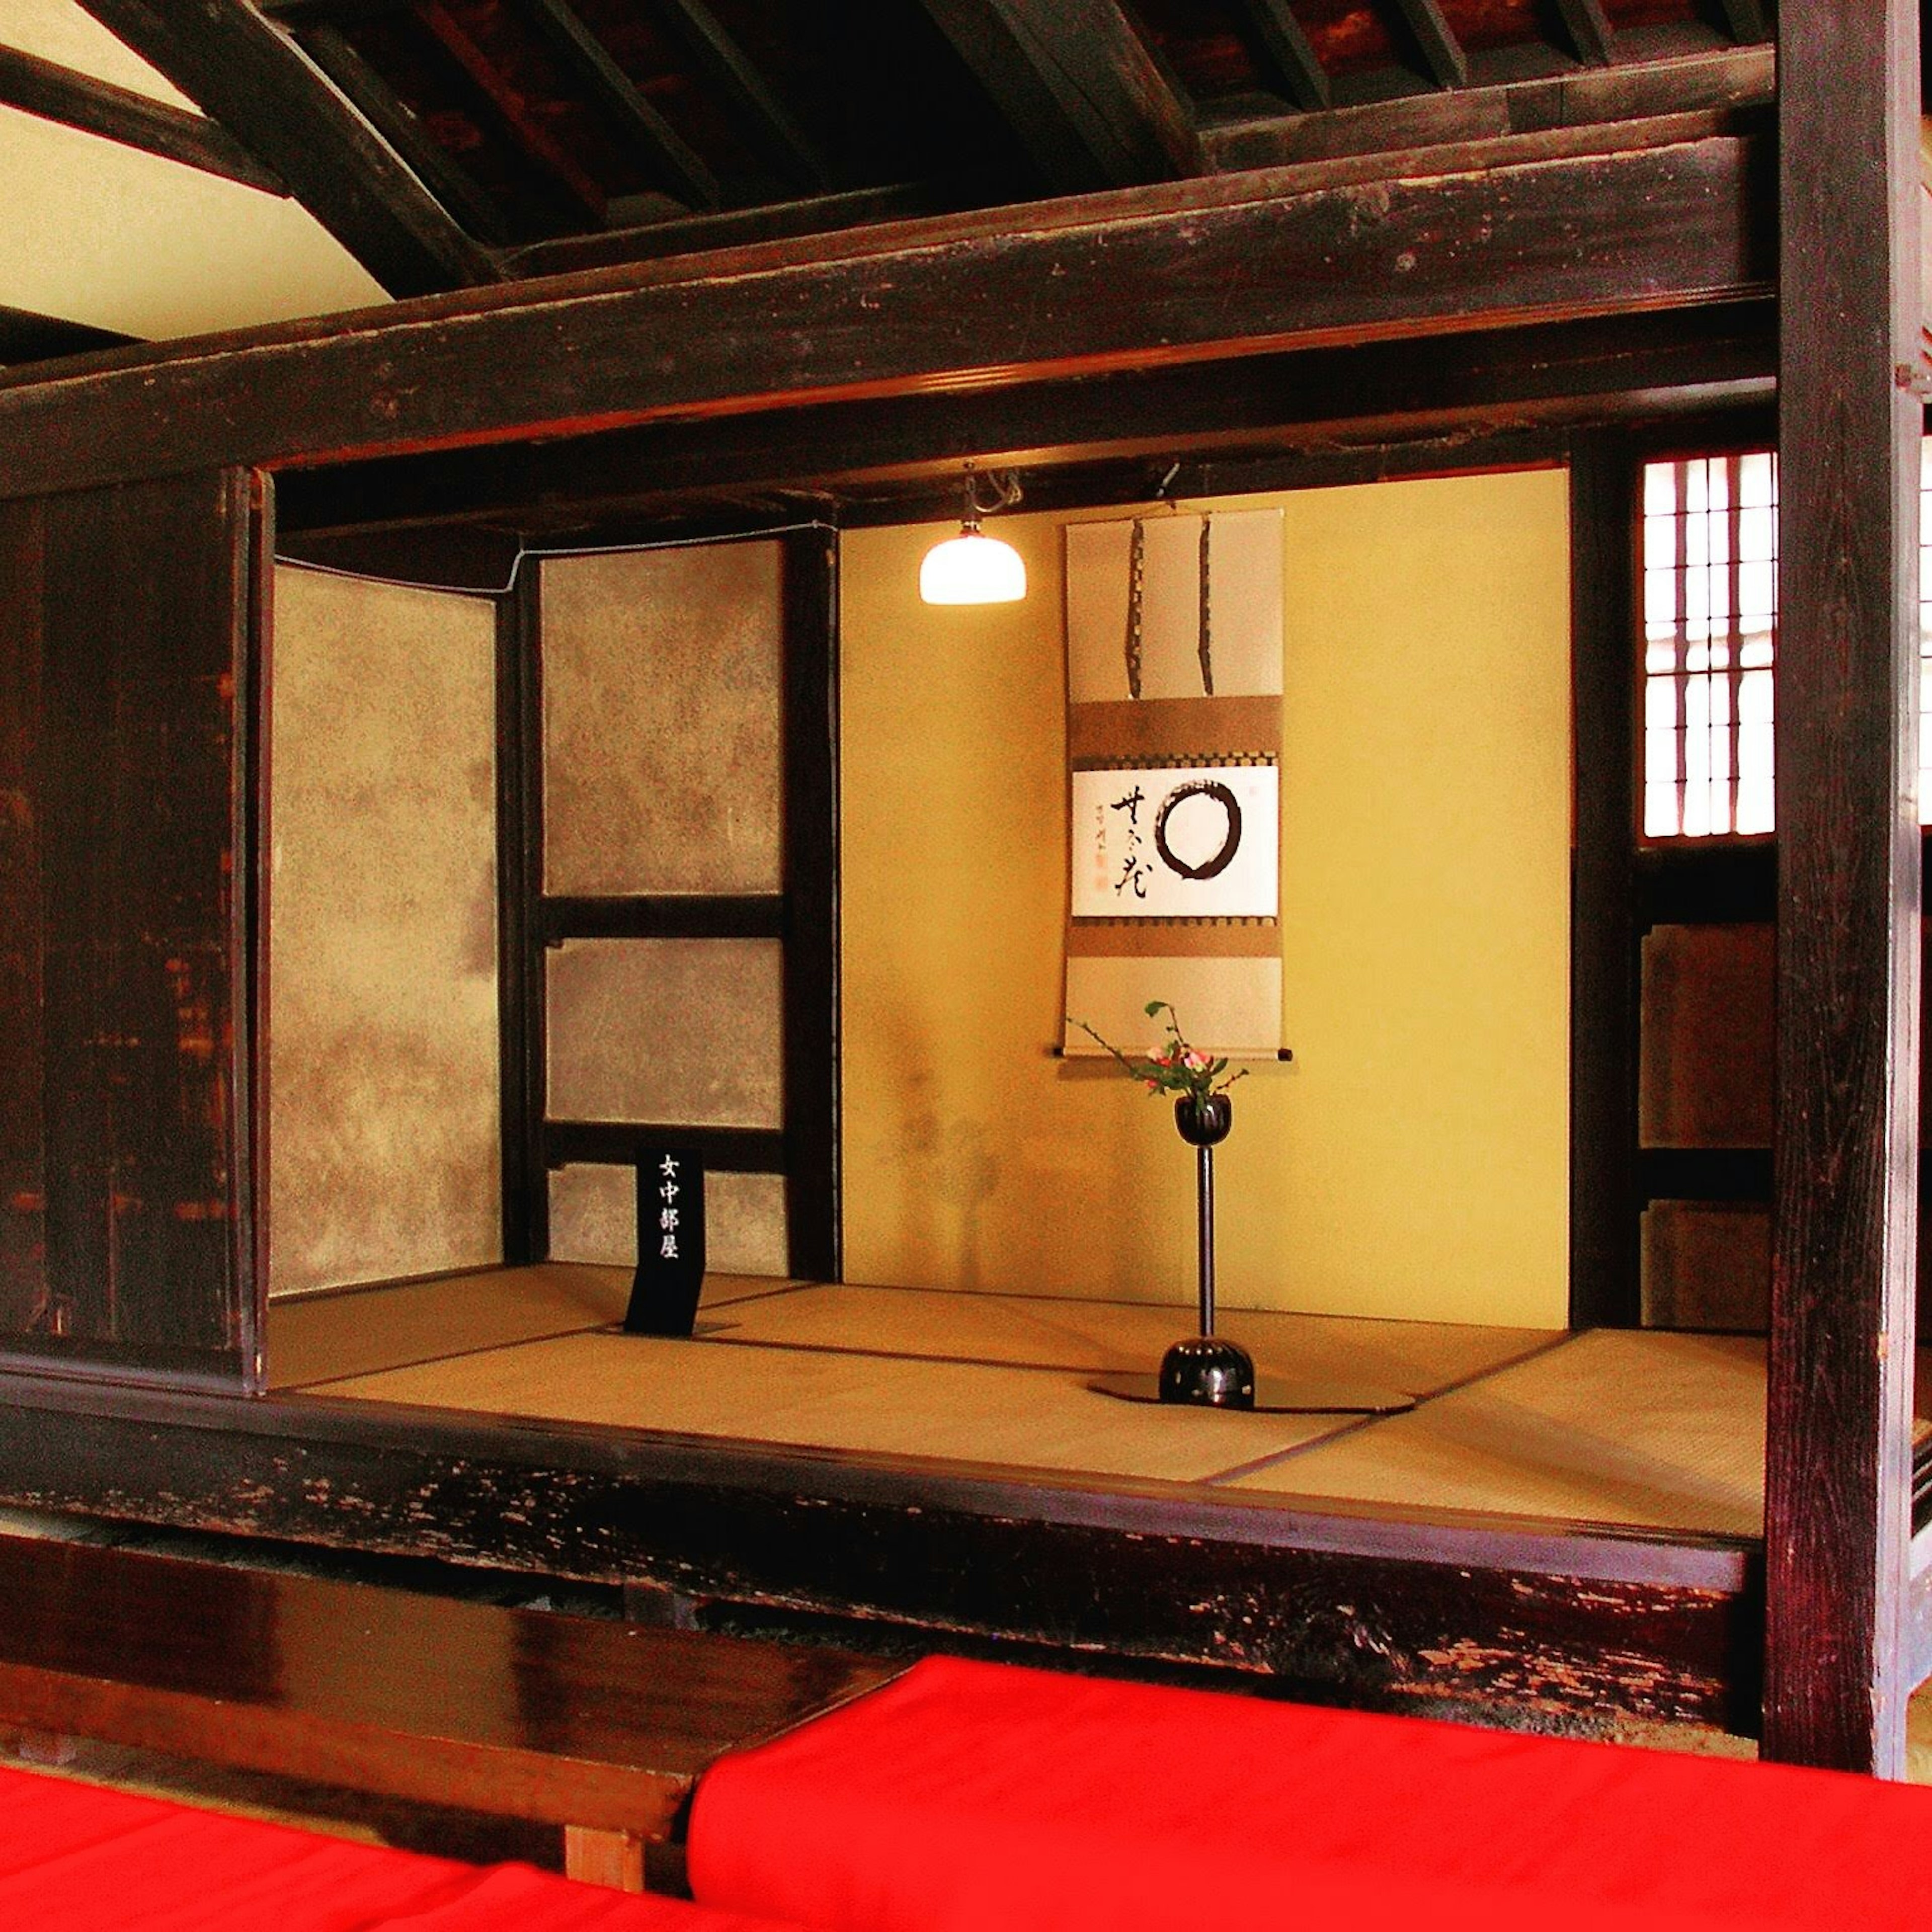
(972, 568)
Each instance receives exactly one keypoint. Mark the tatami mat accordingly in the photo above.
(1663, 1431)
(1646, 1429)
(879, 1405)
(358, 1331)
(1040, 1331)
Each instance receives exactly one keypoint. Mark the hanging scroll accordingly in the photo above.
(1174, 656)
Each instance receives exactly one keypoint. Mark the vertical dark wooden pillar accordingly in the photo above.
(22, 929)
(1836, 1485)
(812, 1128)
(519, 937)
(1604, 1287)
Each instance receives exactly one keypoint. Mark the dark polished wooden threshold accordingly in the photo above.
(1543, 1623)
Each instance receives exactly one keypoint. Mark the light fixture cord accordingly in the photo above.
(1206, 643)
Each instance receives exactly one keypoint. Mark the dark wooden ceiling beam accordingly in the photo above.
(541, 148)
(1081, 93)
(1424, 25)
(1731, 78)
(1501, 380)
(1210, 269)
(769, 123)
(251, 78)
(26, 336)
(1288, 51)
(683, 235)
(671, 161)
(50, 92)
(1587, 28)
(379, 104)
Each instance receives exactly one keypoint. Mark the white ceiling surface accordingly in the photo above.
(93, 232)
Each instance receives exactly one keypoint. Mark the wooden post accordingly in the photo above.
(519, 936)
(1836, 1486)
(1604, 1261)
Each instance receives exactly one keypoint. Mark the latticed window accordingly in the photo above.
(1710, 628)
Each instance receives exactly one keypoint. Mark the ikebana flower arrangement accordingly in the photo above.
(1174, 1067)
(1206, 1369)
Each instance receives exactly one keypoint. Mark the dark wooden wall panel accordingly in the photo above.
(135, 792)
(1707, 1036)
(23, 1177)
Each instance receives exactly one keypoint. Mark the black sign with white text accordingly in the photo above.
(671, 1243)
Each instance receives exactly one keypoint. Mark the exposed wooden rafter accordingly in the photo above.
(1727, 80)
(53, 93)
(512, 111)
(736, 227)
(769, 124)
(380, 105)
(1077, 87)
(1424, 25)
(250, 77)
(1288, 50)
(28, 337)
(1587, 28)
(669, 157)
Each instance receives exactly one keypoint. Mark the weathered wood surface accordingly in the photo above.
(679, 169)
(1731, 78)
(1285, 45)
(372, 97)
(55, 93)
(1555, 1624)
(1073, 81)
(1206, 270)
(1837, 1487)
(766, 119)
(228, 60)
(1433, 41)
(1447, 394)
(570, 1720)
(124, 833)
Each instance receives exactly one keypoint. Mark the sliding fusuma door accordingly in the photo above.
(683, 982)
(126, 619)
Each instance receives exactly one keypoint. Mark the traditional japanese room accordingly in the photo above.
(1306, 1080)
(990, 1223)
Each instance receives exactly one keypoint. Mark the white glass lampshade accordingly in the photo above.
(971, 569)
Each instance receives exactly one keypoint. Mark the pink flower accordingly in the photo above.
(1196, 1059)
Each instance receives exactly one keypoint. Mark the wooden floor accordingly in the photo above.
(1637, 1429)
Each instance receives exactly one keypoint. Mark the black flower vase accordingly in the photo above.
(1206, 1369)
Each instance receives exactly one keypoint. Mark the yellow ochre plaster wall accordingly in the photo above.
(1413, 1159)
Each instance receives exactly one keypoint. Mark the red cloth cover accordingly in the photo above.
(972, 1795)
(79, 1858)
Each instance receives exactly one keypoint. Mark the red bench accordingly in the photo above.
(968, 1797)
(83, 1859)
